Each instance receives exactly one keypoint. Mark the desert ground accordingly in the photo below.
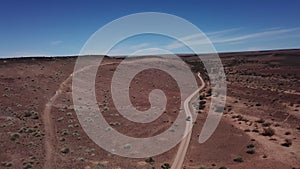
(260, 127)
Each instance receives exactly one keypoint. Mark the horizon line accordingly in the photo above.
(143, 55)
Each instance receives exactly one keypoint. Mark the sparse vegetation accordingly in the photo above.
(100, 165)
(60, 119)
(166, 166)
(80, 159)
(238, 160)
(268, 132)
(201, 97)
(223, 167)
(65, 150)
(62, 139)
(115, 123)
(7, 164)
(287, 143)
(247, 130)
(27, 165)
(260, 121)
(209, 92)
(14, 136)
(150, 160)
(202, 105)
(250, 151)
(266, 124)
(64, 132)
(250, 146)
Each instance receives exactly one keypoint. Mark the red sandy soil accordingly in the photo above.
(263, 92)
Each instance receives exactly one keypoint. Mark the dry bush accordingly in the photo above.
(268, 132)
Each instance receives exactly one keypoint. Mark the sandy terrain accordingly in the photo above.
(260, 127)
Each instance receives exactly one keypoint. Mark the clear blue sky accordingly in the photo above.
(62, 27)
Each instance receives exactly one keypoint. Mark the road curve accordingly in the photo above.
(182, 150)
(50, 133)
(50, 153)
(48, 123)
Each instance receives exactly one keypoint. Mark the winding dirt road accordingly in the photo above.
(50, 133)
(48, 123)
(182, 150)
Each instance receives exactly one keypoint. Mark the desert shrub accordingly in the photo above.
(201, 106)
(150, 160)
(38, 134)
(201, 167)
(209, 92)
(64, 132)
(60, 119)
(34, 115)
(202, 102)
(62, 139)
(287, 133)
(201, 97)
(27, 114)
(115, 123)
(223, 167)
(260, 121)
(229, 108)
(100, 165)
(75, 133)
(266, 124)
(90, 151)
(22, 130)
(276, 125)
(238, 160)
(29, 130)
(250, 151)
(65, 150)
(14, 136)
(27, 166)
(80, 159)
(268, 132)
(287, 143)
(7, 164)
(250, 146)
(238, 117)
(166, 166)
(247, 130)
(188, 118)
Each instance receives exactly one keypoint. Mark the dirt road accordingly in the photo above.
(48, 123)
(180, 156)
(50, 133)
